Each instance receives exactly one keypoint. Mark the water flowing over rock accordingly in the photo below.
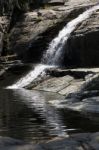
(73, 46)
(55, 51)
(23, 82)
(34, 30)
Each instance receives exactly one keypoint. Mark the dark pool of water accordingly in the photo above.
(27, 115)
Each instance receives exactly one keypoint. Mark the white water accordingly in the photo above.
(53, 55)
(32, 75)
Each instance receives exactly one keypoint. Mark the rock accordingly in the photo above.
(56, 2)
(34, 30)
(1, 42)
(65, 82)
(54, 84)
(32, 34)
(7, 143)
(72, 88)
(47, 14)
(79, 141)
(2, 73)
(83, 44)
(2, 30)
(82, 95)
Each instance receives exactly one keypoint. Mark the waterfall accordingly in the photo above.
(53, 54)
(32, 75)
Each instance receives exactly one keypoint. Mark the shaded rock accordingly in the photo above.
(2, 73)
(4, 22)
(81, 141)
(77, 74)
(7, 143)
(83, 44)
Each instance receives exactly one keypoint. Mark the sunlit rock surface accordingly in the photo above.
(68, 81)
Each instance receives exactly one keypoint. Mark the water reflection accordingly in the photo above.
(38, 102)
(26, 115)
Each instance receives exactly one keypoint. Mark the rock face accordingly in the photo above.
(81, 92)
(83, 44)
(26, 36)
(33, 31)
(4, 22)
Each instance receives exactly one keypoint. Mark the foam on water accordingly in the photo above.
(32, 75)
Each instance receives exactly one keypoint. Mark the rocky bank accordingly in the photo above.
(29, 35)
(28, 38)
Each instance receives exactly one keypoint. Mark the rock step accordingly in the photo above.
(67, 82)
(81, 141)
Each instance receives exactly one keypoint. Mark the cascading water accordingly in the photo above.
(53, 55)
(23, 82)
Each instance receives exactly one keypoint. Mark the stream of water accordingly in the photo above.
(54, 54)
(27, 114)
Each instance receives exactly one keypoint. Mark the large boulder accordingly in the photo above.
(83, 48)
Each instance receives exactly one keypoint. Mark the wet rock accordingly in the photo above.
(81, 141)
(32, 34)
(34, 30)
(66, 82)
(83, 99)
(83, 44)
(82, 95)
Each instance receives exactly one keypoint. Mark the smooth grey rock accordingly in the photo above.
(55, 84)
(74, 87)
